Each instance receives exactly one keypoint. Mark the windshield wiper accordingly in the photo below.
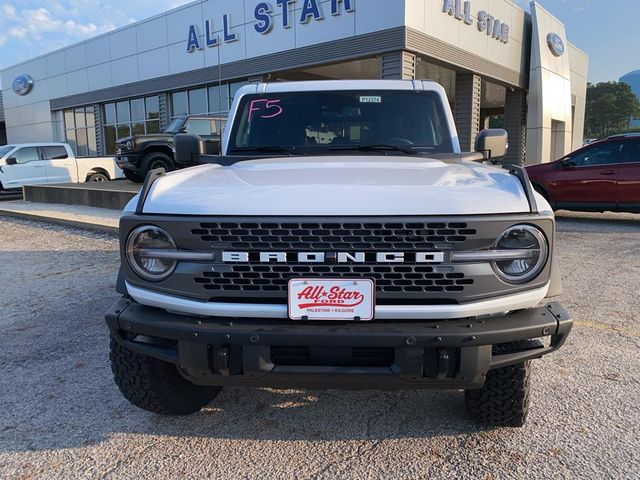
(267, 149)
(382, 147)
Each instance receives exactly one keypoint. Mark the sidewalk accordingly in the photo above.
(90, 218)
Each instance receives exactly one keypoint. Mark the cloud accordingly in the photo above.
(34, 24)
(29, 28)
(8, 11)
(18, 32)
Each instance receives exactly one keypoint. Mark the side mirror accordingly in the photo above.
(492, 143)
(212, 146)
(11, 161)
(188, 149)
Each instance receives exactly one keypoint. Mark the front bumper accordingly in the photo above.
(128, 160)
(383, 355)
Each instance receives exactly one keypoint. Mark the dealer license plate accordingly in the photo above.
(331, 299)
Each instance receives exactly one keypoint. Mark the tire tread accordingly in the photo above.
(504, 398)
(154, 385)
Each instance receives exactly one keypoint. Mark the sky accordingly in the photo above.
(605, 29)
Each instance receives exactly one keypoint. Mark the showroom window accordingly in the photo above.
(124, 118)
(211, 100)
(80, 131)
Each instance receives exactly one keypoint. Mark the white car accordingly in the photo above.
(38, 163)
(341, 239)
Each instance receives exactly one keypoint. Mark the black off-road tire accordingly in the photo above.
(503, 400)
(134, 176)
(154, 385)
(154, 160)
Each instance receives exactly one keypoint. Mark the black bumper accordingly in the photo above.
(382, 355)
(129, 161)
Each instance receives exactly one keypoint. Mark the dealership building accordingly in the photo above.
(499, 65)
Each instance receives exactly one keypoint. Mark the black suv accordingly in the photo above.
(139, 154)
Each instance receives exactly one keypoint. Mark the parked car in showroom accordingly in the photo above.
(139, 154)
(37, 163)
(601, 176)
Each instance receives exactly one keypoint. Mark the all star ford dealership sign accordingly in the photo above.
(264, 13)
(486, 22)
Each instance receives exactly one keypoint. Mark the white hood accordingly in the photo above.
(338, 186)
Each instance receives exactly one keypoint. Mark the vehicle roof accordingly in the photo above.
(624, 135)
(336, 85)
(38, 144)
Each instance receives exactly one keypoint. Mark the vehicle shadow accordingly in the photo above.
(57, 390)
(59, 393)
(76, 419)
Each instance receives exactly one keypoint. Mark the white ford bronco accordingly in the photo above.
(340, 240)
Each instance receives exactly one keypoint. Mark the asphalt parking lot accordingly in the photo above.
(62, 417)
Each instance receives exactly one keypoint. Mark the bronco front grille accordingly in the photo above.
(391, 280)
(409, 281)
(333, 236)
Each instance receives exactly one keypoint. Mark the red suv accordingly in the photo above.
(600, 176)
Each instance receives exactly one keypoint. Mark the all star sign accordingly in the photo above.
(486, 22)
(264, 13)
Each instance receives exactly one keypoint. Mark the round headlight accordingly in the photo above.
(144, 250)
(530, 258)
(129, 145)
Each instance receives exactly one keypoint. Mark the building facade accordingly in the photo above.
(500, 66)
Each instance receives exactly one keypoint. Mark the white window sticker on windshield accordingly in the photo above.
(371, 99)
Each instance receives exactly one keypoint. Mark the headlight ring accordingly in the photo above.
(139, 249)
(521, 270)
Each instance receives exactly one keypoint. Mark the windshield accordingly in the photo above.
(333, 121)
(176, 125)
(4, 150)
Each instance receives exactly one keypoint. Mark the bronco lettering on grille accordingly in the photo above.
(338, 257)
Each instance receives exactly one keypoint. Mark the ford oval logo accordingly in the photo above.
(556, 45)
(22, 84)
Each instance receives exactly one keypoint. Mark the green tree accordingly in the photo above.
(610, 108)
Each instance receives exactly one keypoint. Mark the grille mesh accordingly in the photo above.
(333, 236)
(389, 279)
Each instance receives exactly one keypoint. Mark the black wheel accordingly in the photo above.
(154, 160)
(154, 385)
(133, 176)
(98, 177)
(503, 400)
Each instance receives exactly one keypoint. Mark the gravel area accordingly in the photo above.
(62, 416)
(61, 213)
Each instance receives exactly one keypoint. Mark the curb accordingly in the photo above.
(94, 227)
